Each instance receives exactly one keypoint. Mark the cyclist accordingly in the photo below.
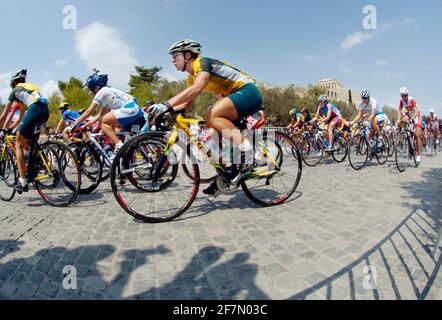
(68, 117)
(238, 95)
(433, 124)
(330, 115)
(37, 113)
(408, 110)
(119, 110)
(297, 120)
(425, 134)
(376, 116)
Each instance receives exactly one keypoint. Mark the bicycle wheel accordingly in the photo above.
(57, 176)
(8, 175)
(312, 151)
(358, 152)
(273, 183)
(340, 147)
(165, 192)
(390, 141)
(382, 150)
(91, 167)
(207, 171)
(402, 152)
(413, 139)
(432, 145)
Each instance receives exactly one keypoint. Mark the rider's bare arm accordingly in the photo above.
(3, 116)
(358, 116)
(17, 122)
(86, 114)
(191, 92)
(328, 117)
(98, 117)
(316, 116)
(372, 115)
(59, 126)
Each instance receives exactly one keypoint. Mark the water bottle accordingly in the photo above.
(195, 130)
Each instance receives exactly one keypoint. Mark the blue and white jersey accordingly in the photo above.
(113, 99)
(372, 104)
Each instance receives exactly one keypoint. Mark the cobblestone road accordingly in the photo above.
(316, 246)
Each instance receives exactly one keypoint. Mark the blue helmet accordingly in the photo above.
(294, 111)
(97, 80)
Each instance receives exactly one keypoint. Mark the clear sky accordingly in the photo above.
(278, 42)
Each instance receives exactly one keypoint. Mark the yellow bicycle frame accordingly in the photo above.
(184, 124)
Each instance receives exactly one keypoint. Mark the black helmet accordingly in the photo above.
(63, 106)
(19, 77)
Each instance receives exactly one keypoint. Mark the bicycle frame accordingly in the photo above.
(184, 125)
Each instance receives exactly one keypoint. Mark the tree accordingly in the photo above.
(144, 76)
(54, 115)
(144, 82)
(75, 93)
(350, 98)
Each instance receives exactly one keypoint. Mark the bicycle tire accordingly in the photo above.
(141, 212)
(361, 146)
(402, 151)
(82, 152)
(8, 163)
(58, 166)
(342, 147)
(260, 196)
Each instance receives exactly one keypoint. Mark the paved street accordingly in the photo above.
(316, 246)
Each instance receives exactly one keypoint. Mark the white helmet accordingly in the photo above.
(431, 110)
(323, 98)
(186, 45)
(365, 94)
(404, 91)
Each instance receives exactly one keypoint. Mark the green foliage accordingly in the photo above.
(348, 111)
(278, 101)
(75, 94)
(143, 83)
(144, 76)
(54, 115)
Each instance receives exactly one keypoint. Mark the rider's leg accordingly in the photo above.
(109, 125)
(331, 125)
(418, 138)
(221, 119)
(21, 144)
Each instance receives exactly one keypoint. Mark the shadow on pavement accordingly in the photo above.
(42, 276)
(406, 252)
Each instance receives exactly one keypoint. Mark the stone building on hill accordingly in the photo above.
(336, 91)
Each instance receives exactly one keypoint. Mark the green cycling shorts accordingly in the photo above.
(247, 100)
(36, 115)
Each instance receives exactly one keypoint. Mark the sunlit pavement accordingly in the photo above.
(343, 235)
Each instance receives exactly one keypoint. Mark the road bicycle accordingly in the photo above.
(406, 146)
(151, 187)
(362, 149)
(52, 170)
(315, 147)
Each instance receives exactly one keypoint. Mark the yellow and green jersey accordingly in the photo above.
(224, 78)
(26, 94)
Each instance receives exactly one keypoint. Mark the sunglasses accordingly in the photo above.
(175, 55)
